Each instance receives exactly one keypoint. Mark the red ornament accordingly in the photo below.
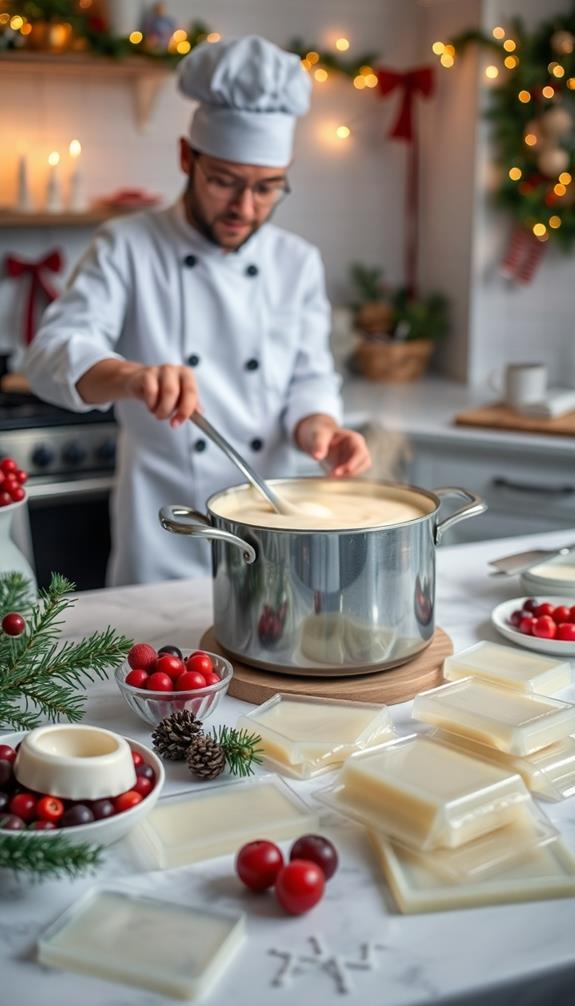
(13, 624)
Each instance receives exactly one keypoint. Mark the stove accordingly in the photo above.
(70, 460)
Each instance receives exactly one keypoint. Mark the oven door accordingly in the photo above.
(69, 528)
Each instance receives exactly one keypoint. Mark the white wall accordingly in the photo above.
(347, 198)
(517, 322)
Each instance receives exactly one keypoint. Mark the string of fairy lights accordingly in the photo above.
(533, 90)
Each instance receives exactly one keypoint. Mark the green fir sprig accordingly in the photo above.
(50, 857)
(40, 677)
(241, 748)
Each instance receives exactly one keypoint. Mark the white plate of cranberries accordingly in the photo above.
(100, 822)
(543, 624)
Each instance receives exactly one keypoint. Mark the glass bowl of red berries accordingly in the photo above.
(100, 821)
(156, 683)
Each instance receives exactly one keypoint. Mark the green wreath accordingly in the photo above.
(531, 110)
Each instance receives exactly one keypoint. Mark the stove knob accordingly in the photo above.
(73, 454)
(106, 451)
(42, 456)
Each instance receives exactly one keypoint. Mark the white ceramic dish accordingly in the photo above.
(75, 761)
(555, 647)
(555, 576)
(109, 829)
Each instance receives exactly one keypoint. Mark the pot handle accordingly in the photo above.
(202, 528)
(474, 507)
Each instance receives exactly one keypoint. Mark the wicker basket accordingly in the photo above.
(392, 361)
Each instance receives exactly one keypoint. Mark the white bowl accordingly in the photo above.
(551, 577)
(553, 647)
(75, 762)
(109, 829)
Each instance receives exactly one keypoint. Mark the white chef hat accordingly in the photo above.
(250, 93)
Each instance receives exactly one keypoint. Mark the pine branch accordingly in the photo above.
(16, 594)
(240, 747)
(47, 857)
(40, 676)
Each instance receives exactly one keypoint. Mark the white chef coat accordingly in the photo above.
(254, 324)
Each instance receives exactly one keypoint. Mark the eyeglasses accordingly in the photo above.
(229, 189)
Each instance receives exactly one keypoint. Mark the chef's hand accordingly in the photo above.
(169, 391)
(343, 452)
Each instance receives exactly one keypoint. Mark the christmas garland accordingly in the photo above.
(531, 112)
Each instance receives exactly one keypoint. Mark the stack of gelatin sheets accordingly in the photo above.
(450, 812)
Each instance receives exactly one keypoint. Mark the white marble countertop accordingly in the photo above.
(425, 409)
(472, 956)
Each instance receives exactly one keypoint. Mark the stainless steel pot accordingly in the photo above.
(326, 602)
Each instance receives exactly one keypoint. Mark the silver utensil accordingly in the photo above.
(279, 504)
(518, 562)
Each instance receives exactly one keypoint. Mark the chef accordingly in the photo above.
(204, 305)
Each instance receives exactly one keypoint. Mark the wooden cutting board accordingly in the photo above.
(396, 685)
(499, 417)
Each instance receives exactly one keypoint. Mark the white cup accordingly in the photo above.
(523, 384)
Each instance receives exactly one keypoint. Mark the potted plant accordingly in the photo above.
(397, 332)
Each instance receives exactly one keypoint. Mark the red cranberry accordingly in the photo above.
(173, 650)
(6, 774)
(9, 822)
(7, 753)
(13, 624)
(318, 850)
(143, 786)
(146, 771)
(42, 826)
(78, 813)
(4, 801)
(102, 808)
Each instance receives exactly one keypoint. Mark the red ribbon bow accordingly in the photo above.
(412, 82)
(16, 267)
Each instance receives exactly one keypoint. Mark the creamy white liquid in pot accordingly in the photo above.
(320, 510)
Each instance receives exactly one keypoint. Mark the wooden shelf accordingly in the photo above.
(145, 76)
(91, 218)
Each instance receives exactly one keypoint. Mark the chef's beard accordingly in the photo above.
(198, 219)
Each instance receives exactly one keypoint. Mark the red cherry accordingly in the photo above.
(137, 758)
(17, 494)
(23, 805)
(566, 632)
(142, 786)
(200, 661)
(137, 678)
(544, 609)
(21, 476)
(13, 624)
(189, 681)
(212, 678)
(8, 465)
(7, 753)
(49, 809)
(258, 864)
(318, 850)
(158, 682)
(5, 499)
(544, 627)
(169, 664)
(526, 625)
(299, 886)
(530, 604)
(127, 800)
(142, 655)
(561, 614)
(515, 618)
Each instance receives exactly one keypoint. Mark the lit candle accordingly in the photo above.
(23, 190)
(76, 192)
(53, 197)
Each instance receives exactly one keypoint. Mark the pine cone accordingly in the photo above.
(174, 734)
(205, 757)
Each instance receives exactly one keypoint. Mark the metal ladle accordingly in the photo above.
(279, 504)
